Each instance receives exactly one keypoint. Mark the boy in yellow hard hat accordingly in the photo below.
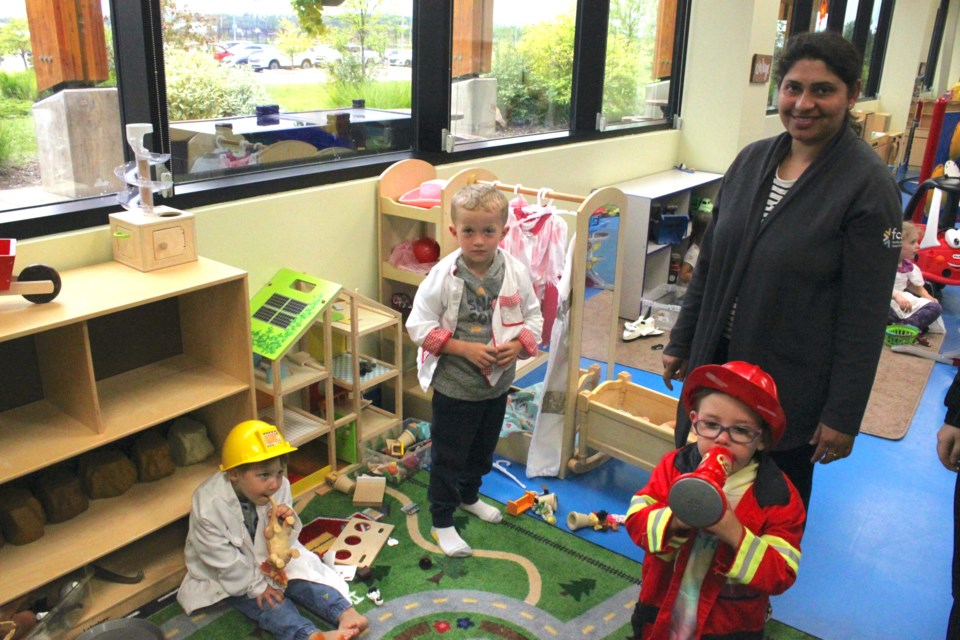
(226, 546)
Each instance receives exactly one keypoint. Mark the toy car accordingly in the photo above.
(37, 283)
(940, 262)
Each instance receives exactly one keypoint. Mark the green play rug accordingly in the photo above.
(526, 580)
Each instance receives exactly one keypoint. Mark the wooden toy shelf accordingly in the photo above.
(118, 352)
(368, 320)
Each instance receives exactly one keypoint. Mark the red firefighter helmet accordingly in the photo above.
(746, 382)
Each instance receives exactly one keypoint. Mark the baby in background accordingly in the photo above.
(911, 303)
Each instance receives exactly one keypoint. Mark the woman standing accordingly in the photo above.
(797, 264)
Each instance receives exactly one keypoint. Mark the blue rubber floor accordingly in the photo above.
(878, 545)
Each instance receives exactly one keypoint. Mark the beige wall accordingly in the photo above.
(906, 49)
(722, 110)
(330, 231)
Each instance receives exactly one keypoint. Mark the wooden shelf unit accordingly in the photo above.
(646, 264)
(336, 331)
(117, 352)
(398, 222)
(368, 323)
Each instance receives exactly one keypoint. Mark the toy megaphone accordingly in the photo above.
(697, 497)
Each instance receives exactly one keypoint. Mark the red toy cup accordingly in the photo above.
(697, 497)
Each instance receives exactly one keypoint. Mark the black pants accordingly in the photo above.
(953, 629)
(796, 465)
(464, 436)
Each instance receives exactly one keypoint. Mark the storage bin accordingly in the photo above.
(397, 469)
(665, 299)
(669, 228)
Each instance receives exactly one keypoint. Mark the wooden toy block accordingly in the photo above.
(321, 543)
(395, 448)
(360, 542)
(148, 242)
(369, 491)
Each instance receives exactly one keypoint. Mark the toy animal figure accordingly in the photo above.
(279, 552)
(603, 521)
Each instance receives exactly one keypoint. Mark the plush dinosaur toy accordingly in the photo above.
(279, 552)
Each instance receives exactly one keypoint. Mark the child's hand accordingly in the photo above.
(507, 353)
(902, 301)
(271, 597)
(676, 525)
(284, 511)
(482, 356)
(728, 528)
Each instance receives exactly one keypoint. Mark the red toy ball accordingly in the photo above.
(426, 250)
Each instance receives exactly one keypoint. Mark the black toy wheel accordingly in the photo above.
(36, 272)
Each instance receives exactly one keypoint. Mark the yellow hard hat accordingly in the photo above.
(252, 441)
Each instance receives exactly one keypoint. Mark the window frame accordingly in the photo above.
(137, 31)
(800, 22)
(936, 43)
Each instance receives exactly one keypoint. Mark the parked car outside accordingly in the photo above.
(400, 57)
(368, 53)
(270, 57)
(325, 54)
(240, 54)
(220, 52)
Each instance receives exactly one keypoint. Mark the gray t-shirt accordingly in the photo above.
(457, 377)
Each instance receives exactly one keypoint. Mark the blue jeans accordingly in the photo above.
(284, 621)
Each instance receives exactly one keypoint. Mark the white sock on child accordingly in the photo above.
(451, 543)
(483, 511)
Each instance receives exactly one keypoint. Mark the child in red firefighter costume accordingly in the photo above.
(717, 581)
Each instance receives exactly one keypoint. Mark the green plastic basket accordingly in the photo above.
(900, 334)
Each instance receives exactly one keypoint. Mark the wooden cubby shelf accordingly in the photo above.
(118, 352)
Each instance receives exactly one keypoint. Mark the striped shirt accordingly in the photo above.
(778, 190)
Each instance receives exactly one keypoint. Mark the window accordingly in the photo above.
(60, 133)
(251, 99)
(936, 41)
(511, 68)
(251, 91)
(639, 65)
(865, 23)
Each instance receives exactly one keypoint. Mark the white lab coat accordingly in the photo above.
(221, 559)
(437, 305)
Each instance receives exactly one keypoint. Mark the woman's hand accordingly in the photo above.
(832, 445)
(948, 446)
(674, 368)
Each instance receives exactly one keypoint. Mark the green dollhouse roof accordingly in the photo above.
(283, 310)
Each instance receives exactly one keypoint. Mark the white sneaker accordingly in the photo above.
(640, 329)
